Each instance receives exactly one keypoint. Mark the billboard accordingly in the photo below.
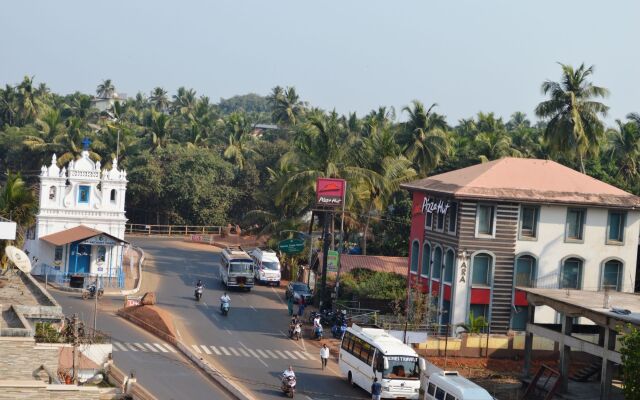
(330, 192)
(7, 230)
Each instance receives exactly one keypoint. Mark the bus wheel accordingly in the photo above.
(350, 379)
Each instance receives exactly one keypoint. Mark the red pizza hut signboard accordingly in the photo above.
(330, 192)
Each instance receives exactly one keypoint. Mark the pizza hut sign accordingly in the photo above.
(430, 205)
(330, 192)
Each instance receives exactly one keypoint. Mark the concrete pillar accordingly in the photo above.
(565, 353)
(606, 374)
(528, 341)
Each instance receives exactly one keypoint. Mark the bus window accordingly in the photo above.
(402, 367)
(450, 397)
(432, 389)
(440, 394)
(357, 346)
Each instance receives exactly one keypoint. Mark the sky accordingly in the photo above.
(465, 55)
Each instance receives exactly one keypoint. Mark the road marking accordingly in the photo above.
(131, 347)
(141, 347)
(120, 346)
(290, 354)
(151, 347)
(253, 308)
(262, 353)
(215, 316)
(179, 335)
(254, 354)
(206, 349)
(244, 352)
(225, 351)
(308, 397)
(228, 331)
(302, 355)
(215, 350)
(162, 349)
(280, 354)
(171, 349)
(271, 353)
(196, 348)
(235, 353)
(278, 296)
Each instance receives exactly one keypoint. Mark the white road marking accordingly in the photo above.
(262, 353)
(280, 354)
(196, 348)
(215, 350)
(162, 349)
(253, 308)
(235, 353)
(179, 335)
(131, 347)
(120, 346)
(225, 351)
(206, 349)
(278, 296)
(141, 347)
(150, 347)
(302, 355)
(171, 349)
(290, 354)
(271, 353)
(254, 354)
(215, 316)
(228, 331)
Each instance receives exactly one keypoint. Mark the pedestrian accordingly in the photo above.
(376, 389)
(301, 307)
(290, 305)
(324, 355)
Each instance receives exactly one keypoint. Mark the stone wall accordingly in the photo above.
(33, 390)
(22, 356)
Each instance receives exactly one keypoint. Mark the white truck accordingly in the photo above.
(267, 266)
(236, 268)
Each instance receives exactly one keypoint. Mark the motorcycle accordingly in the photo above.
(225, 308)
(92, 291)
(289, 386)
(198, 293)
(338, 330)
(295, 332)
(318, 332)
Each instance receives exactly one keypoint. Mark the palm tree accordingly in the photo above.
(287, 106)
(239, 130)
(624, 149)
(70, 141)
(158, 129)
(572, 114)
(425, 139)
(106, 89)
(159, 99)
(19, 204)
(27, 101)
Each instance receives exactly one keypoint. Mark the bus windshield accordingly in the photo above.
(240, 267)
(402, 367)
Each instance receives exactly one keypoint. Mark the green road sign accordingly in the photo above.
(291, 246)
(333, 260)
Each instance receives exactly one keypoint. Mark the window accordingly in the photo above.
(52, 193)
(450, 397)
(426, 259)
(440, 394)
(615, 228)
(481, 270)
(57, 257)
(571, 274)
(448, 266)
(529, 222)
(575, 223)
(102, 254)
(83, 194)
(519, 319)
(441, 221)
(437, 263)
(428, 221)
(484, 220)
(113, 195)
(415, 249)
(453, 218)
(432, 389)
(612, 275)
(525, 271)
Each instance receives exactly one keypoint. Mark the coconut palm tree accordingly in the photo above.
(424, 138)
(624, 150)
(27, 101)
(159, 99)
(19, 204)
(238, 130)
(106, 89)
(287, 107)
(572, 114)
(157, 128)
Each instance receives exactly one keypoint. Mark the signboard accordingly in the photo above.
(131, 301)
(101, 240)
(333, 259)
(291, 246)
(7, 230)
(430, 205)
(330, 192)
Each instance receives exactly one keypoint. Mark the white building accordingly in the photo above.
(81, 222)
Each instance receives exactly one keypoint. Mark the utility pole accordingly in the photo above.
(325, 251)
(95, 309)
(76, 342)
(340, 249)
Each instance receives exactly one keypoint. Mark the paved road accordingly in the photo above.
(164, 372)
(250, 343)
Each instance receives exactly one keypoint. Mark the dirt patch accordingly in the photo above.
(151, 318)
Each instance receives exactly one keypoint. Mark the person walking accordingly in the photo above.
(376, 389)
(301, 307)
(290, 305)
(324, 355)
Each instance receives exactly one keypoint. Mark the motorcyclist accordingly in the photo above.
(288, 372)
(224, 299)
(199, 284)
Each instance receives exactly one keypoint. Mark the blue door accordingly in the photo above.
(79, 258)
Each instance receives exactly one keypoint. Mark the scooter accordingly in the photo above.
(225, 308)
(295, 332)
(289, 386)
(91, 292)
(338, 330)
(318, 332)
(198, 293)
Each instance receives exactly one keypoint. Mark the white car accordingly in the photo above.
(267, 267)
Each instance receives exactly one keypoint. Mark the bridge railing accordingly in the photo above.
(172, 230)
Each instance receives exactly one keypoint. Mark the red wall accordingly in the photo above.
(417, 226)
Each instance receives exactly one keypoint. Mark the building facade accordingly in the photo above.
(80, 225)
(480, 232)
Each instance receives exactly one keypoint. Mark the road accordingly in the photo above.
(158, 366)
(249, 344)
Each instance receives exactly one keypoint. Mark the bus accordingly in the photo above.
(236, 268)
(449, 385)
(368, 353)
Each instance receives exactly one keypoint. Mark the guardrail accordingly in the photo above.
(173, 230)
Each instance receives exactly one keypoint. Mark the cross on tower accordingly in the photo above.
(85, 144)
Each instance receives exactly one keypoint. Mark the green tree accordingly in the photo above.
(287, 108)
(630, 352)
(106, 89)
(424, 137)
(624, 150)
(159, 99)
(239, 147)
(19, 204)
(574, 128)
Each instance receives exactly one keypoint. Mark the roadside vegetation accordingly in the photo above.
(253, 160)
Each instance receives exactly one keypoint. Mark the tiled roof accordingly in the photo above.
(394, 265)
(526, 180)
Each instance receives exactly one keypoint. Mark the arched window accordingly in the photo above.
(571, 274)
(437, 263)
(448, 265)
(426, 259)
(113, 195)
(481, 270)
(102, 254)
(525, 271)
(415, 249)
(612, 275)
(52, 193)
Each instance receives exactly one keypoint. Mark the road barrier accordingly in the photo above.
(172, 230)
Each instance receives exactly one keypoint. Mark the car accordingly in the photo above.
(299, 290)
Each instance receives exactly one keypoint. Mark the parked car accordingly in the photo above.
(299, 290)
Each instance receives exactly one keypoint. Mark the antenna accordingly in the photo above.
(18, 258)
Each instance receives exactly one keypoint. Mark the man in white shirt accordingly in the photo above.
(324, 355)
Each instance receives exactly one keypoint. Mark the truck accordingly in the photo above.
(236, 268)
(267, 266)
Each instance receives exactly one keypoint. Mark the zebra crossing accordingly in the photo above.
(224, 351)
(144, 347)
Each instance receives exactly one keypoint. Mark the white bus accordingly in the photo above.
(236, 268)
(367, 353)
(449, 385)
